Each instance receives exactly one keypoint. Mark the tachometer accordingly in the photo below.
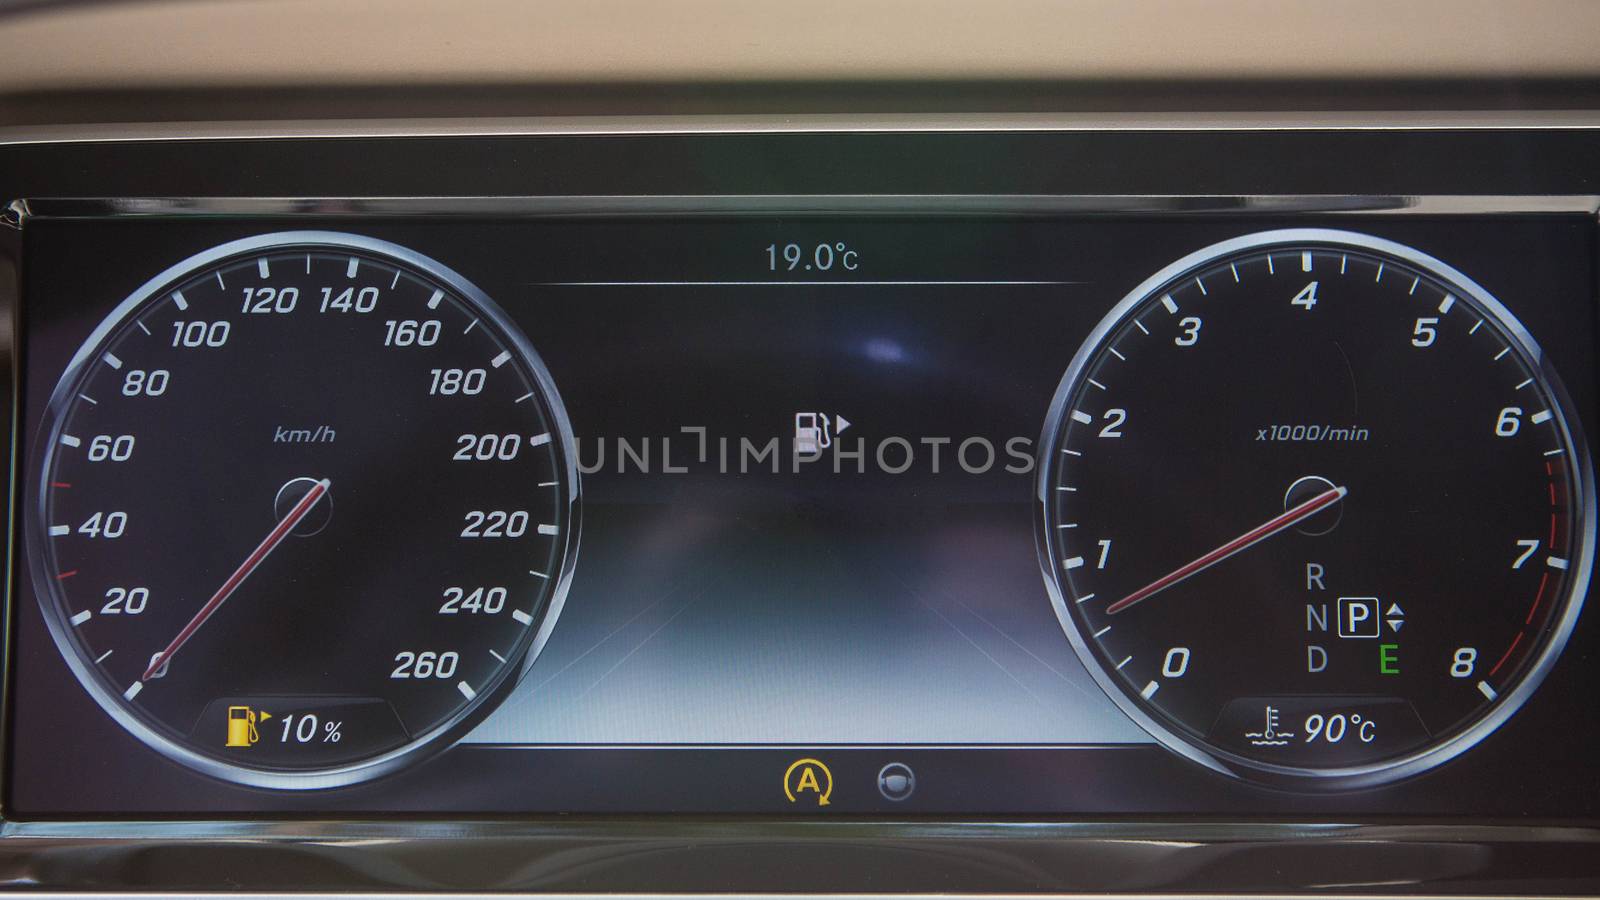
(306, 504)
(1314, 509)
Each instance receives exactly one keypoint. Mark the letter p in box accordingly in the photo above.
(1358, 617)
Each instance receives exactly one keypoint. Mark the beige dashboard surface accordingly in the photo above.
(280, 43)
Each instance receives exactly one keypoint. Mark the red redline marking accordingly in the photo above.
(65, 575)
(1552, 544)
(1507, 656)
(60, 484)
(1537, 598)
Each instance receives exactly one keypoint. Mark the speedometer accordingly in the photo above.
(1314, 509)
(306, 505)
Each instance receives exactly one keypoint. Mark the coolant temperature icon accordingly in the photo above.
(242, 726)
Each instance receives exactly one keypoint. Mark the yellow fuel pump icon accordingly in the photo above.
(242, 726)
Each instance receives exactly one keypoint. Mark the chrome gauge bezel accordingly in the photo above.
(1300, 777)
(42, 460)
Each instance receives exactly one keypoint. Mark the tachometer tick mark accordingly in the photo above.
(1116, 354)
(1305, 261)
(1474, 328)
(1125, 661)
(1555, 562)
(1169, 303)
(1097, 384)
(1079, 415)
(1486, 690)
(1102, 631)
(1141, 326)
(1501, 354)
(1075, 562)
(472, 325)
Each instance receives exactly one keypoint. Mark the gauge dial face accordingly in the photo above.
(306, 505)
(1313, 510)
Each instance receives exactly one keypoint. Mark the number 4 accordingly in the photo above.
(1307, 296)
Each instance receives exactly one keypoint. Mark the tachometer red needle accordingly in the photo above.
(1244, 541)
(267, 545)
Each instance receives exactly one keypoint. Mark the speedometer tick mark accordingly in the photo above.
(1418, 280)
(219, 280)
(1235, 270)
(539, 440)
(396, 279)
(351, 267)
(112, 360)
(262, 268)
(1102, 631)
(1524, 384)
(549, 529)
(1474, 329)
(60, 530)
(497, 656)
(524, 397)
(180, 301)
(1116, 354)
(1202, 286)
(1070, 452)
(68, 440)
(522, 617)
(1555, 452)
(466, 690)
(470, 326)
(1150, 690)
(88, 399)
(1097, 384)
(1379, 276)
(102, 657)
(500, 360)
(1270, 269)
(1085, 598)
(539, 574)
(81, 617)
(1344, 260)
(1501, 354)
(1125, 661)
(142, 326)
(433, 302)
(1141, 326)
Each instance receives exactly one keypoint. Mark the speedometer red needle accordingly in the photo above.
(1244, 541)
(267, 545)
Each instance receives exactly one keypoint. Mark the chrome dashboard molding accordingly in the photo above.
(577, 206)
(1466, 120)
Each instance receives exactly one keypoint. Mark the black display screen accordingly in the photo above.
(801, 569)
